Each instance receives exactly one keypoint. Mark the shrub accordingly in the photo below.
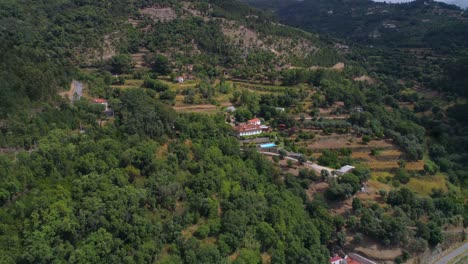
(402, 176)
(155, 85)
(202, 232)
(366, 139)
(357, 238)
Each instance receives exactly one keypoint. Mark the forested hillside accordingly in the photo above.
(416, 24)
(41, 40)
(43, 50)
(151, 186)
(145, 164)
(419, 41)
(132, 192)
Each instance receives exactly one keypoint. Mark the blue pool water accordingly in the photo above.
(268, 145)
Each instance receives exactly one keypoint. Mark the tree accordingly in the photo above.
(341, 237)
(266, 235)
(302, 159)
(156, 85)
(168, 95)
(325, 174)
(242, 114)
(402, 176)
(329, 158)
(357, 204)
(352, 180)
(159, 64)
(121, 63)
(357, 238)
(247, 256)
(422, 230)
(305, 173)
(435, 234)
(202, 232)
(366, 139)
(282, 153)
(275, 159)
(339, 191)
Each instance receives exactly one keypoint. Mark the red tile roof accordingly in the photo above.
(352, 261)
(99, 101)
(247, 127)
(255, 120)
(335, 258)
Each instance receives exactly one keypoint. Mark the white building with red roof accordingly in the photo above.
(248, 130)
(337, 260)
(254, 121)
(102, 102)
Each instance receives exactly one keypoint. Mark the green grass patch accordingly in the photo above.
(424, 185)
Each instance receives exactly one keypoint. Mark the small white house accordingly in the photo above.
(280, 109)
(230, 109)
(180, 79)
(344, 170)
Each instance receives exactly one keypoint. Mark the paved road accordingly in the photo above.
(463, 249)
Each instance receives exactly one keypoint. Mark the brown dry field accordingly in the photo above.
(336, 141)
(203, 108)
(375, 251)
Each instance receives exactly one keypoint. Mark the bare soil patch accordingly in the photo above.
(266, 258)
(365, 78)
(341, 208)
(339, 66)
(163, 14)
(371, 249)
(377, 252)
(106, 49)
(315, 188)
(188, 232)
(371, 195)
(245, 39)
(234, 256)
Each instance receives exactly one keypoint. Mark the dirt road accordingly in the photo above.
(78, 89)
(75, 92)
(309, 164)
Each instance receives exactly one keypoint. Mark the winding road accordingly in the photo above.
(460, 251)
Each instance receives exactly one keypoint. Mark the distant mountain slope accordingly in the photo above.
(415, 24)
(40, 52)
(226, 31)
(461, 3)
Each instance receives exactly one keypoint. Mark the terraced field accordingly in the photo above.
(336, 141)
(382, 157)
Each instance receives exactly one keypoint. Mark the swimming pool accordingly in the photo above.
(268, 145)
